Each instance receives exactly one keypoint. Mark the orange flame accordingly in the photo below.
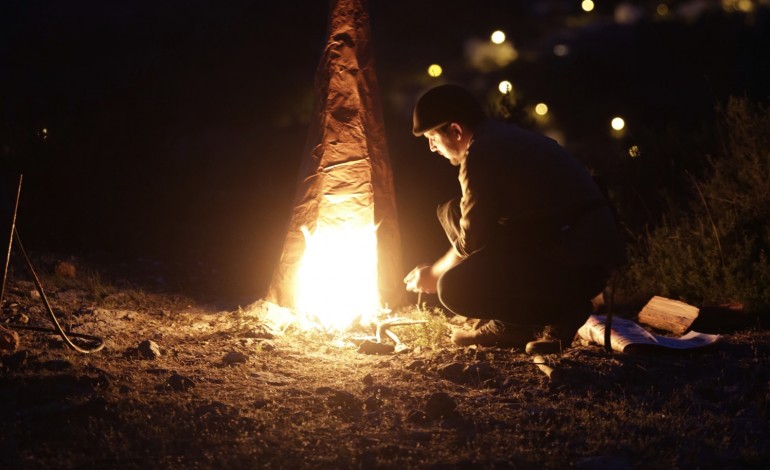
(336, 282)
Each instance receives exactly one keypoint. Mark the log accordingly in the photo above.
(668, 315)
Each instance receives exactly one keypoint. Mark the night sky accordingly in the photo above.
(172, 130)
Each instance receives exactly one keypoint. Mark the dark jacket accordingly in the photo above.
(523, 189)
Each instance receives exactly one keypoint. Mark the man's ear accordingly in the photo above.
(456, 131)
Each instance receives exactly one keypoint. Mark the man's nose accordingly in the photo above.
(432, 147)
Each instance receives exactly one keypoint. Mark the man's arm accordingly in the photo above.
(425, 278)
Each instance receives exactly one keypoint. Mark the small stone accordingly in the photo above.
(234, 357)
(370, 347)
(149, 349)
(344, 400)
(368, 380)
(266, 346)
(416, 365)
(439, 404)
(132, 353)
(372, 403)
(180, 382)
(16, 361)
(259, 332)
(453, 371)
(20, 318)
(9, 340)
(417, 417)
(480, 371)
(216, 408)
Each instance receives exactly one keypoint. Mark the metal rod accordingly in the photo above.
(12, 206)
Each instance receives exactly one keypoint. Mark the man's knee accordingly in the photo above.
(446, 291)
(455, 293)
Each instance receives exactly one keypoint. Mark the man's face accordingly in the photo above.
(445, 145)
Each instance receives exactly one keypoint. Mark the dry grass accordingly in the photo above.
(298, 401)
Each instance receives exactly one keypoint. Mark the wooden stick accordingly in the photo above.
(384, 328)
(541, 364)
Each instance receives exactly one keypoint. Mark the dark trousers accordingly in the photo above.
(517, 279)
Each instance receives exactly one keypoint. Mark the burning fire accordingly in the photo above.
(336, 283)
(333, 279)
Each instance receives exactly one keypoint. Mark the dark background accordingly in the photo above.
(172, 130)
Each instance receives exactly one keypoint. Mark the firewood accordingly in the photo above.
(668, 315)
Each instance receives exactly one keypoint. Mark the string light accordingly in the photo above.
(662, 9)
(541, 109)
(435, 70)
(505, 87)
(618, 123)
(587, 5)
(498, 37)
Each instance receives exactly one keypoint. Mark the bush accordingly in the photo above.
(714, 248)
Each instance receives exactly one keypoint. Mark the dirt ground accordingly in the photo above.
(215, 389)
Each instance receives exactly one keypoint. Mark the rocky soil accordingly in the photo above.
(185, 384)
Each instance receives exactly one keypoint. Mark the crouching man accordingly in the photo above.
(532, 237)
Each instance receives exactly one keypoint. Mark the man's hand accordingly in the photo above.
(424, 278)
(421, 279)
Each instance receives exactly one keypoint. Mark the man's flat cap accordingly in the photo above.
(444, 104)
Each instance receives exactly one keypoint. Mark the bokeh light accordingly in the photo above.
(505, 87)
(561, 50)
(435, 70)
(634, 151)
(498, 37)
(541, 109)
(662, 9)
(486, 56)
(745, 6)
(587, 5)
(618, 123)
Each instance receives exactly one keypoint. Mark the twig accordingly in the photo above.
(383, 328)
(708, 212)
(541, 364)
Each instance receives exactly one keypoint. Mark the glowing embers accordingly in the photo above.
(336, 283)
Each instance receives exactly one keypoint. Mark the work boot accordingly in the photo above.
(492, 333)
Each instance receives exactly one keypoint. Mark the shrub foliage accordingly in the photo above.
(714, 248)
